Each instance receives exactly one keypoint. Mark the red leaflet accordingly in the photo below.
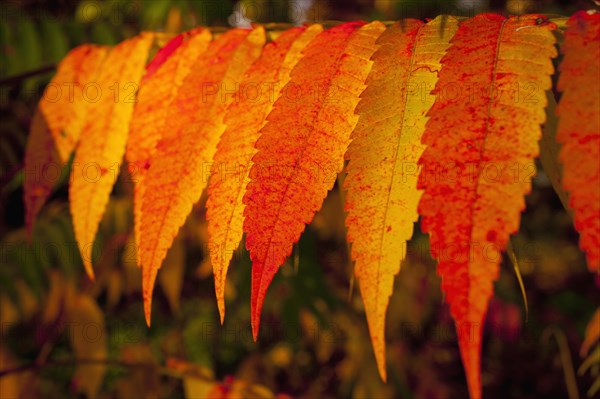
(579, 128)
(162, 55)
(481, 143)
(301, 148)
(244, 118)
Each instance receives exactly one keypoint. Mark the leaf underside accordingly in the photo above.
(57, 124)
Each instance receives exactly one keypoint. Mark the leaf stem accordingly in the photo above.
(12, 80)
(513, 257)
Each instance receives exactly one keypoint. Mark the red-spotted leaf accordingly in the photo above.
(301, 148)
(244, 118)
(482, 139)
(382, 195)
(579, 128)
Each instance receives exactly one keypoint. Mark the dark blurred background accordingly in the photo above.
(314, 341)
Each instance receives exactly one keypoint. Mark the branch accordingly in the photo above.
(11, 80)
(88, 361)
(269, 27)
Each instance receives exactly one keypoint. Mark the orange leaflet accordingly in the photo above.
(189, 137)
(382, 195)
(301, 148)
(481, 143)
(579, 128)
(164, 78)
(102, 143)
(244, 118)
(57, 124)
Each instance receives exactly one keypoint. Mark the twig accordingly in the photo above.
(12, 80)
(272, 26)
(87, 361)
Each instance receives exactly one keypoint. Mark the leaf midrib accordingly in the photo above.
(479, 169)
(316, 117)
(210, 109)
(400, 130)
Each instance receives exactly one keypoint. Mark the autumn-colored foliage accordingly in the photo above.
(592, 333)
(438, 120)
(163, 80)
(57, 124)
(244, 119)
(489, 139)
(382, 195)
(102, 144)
(193, 125)
(301, 148)
(579, 128)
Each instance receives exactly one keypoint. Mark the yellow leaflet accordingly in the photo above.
(102, 142)
(382, 195)
(244, 118)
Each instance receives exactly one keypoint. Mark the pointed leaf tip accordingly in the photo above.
(381, 207)
(244, 119)
(89, 268)
(280, 203)
(186, 142)
(148, 309)
(474, 212)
